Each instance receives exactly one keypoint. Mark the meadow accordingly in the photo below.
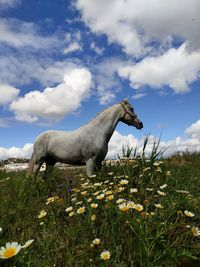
(138, 211)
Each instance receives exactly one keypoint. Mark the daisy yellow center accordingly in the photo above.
(10, 252)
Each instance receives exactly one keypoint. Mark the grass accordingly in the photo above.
(143, 235)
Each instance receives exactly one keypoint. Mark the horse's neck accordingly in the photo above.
(105, 123)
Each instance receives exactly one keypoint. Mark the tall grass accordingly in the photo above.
(141, 217)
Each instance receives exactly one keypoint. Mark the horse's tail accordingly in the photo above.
(31, 165)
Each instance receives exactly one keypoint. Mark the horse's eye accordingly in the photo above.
(131, 109)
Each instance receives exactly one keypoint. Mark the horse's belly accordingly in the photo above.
(68, 154)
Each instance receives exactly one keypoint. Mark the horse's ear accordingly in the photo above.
(125, 100)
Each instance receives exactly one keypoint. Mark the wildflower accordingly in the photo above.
(84, 193)
(73, 199)
(156, 164)
(195, 231)
(78, 203)
(101, 196)
(97, 184)
(182, 191)
(105, 255)
(159, 169)
(146, 169)
(138, 207)
(168, 173)
(120, 200)
(93, 217)
(108, 192)
(188, 213)
(149, 189)
(163, 186)
(111, 197)
(124, 182)
(41, 223)
(120, 189)
(133, 190)
(158, 206)
(152, 213)
(71, 214)
(110, 173)
(131, 205)
(49, 200)
(161, 193)
(11, 249)
(146, 202)
(96, 193)
(42, 214)
(179, 212)
(28, 243)
(96, 241)
(81, 210)
(1, 229)
(89, 199)
(93, 176)
(123, 207)
(69, 209)
(94, 205)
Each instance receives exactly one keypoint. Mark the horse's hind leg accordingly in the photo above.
(34, 165)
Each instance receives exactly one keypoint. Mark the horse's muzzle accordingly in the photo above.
(139, 125)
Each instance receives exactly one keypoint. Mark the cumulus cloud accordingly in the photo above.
(8, 93)
(16, 33)
(176, 68)
(55, 102)
(134, 24)
(194, 130)
(16, 152)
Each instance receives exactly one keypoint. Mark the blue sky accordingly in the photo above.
(63, 61)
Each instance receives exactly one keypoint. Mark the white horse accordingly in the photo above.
(88, 144)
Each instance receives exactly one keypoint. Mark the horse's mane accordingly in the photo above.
(102, 111)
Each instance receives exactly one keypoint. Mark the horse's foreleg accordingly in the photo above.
(90, 167)
(50, 162)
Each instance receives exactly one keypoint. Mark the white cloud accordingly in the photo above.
(107, 81)
(16, 152)
(16, 33)
(176, 68)
(55, 102)
(192, 143)
(134, 24)
(8, 93)
(138, 95)
(23, 69)
(74, 46)
(9, 3)
(194, 130)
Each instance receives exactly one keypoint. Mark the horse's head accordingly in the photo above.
(129, 117)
